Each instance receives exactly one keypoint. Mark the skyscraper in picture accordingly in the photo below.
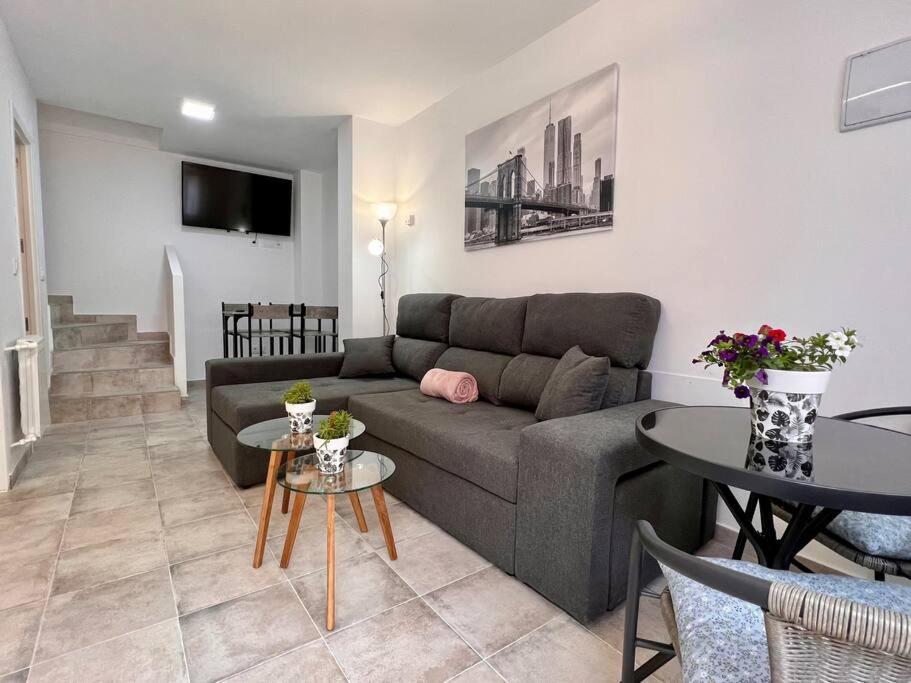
(473, 216)
(564, 150)
(595, 200)
(549, 165)
(577, 169)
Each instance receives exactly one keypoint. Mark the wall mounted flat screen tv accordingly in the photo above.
(224, 199)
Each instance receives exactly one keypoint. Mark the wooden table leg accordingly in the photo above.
(293, 525)
(271, 476)
(379, 501)
(358, 511)
(330, 563)
(286, 494)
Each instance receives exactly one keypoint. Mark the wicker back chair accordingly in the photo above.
(829, 538)
(811, 636)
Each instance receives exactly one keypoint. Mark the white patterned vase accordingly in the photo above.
(330, 454)
(785, 409)
(300, 416)
(792, 460)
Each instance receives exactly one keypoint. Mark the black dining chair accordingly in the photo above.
(878, 542)
(270, 313)
(232, 328)
(325, 334)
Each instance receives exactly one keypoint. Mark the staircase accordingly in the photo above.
(103, 368)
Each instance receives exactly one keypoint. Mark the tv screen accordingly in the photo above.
(225, 199)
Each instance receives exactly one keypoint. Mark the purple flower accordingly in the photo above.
(727, 355)
(762, 352)
(721, 337)
(751, 341)
(762, 377)
(742, 391)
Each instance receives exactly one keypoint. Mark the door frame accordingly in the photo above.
(23, 179)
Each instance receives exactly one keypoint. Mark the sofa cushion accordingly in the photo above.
(424, 316)
(621, 387)
(414, 357)
(524, 379)
(240, 405)
(485, 367)
(368, 356)
(475, 441)
(576, 386)
(723, 638)
(494, 325)
(619, 326)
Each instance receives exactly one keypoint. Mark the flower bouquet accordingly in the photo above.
(783, 378)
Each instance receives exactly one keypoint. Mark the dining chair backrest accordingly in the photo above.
(234, 309)
(896, 418)
(270, 311)
(321, 312)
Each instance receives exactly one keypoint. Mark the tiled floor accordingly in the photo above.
(125, 554)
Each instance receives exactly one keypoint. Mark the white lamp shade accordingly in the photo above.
(376, 247)
(384, 211)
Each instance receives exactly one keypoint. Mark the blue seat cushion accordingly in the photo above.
(723, 639)
(879, 535)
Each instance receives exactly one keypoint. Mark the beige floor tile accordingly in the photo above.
(17, 677)
(105, 423)
(479, 673)
(189, 466)
(152, 654)
(106, 444)
(198, 506)
(222, 576)
(406, 643)
(365, 586)
(314, 659)
(71, 428)
(490, 610)
(31, 542)
(406, 523)
(31, 510)
(559, 650)
(110, 498)
(179, 449)
(108, 525)
(48, 484)
(433, 560)
(24, 582)
(102, 562)
(238, 634)
(129, 456)
(113, 476)
(314, 514)
(309, 553)
(205, 536)
(54, 463)
(18, 631)
(82, 618)
(172, 486)
(162, 434)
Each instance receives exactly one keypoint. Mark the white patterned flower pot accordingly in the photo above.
(331, 454)
(300, 416)
(782, 459)
(784, 410)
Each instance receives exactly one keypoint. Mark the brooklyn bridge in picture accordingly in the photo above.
(529, 178)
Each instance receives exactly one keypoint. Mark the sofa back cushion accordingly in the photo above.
(486, 367)
(425, 316)
(619, 326)
(414, 357)
(621, 387)
(524, 379)
(483, 324)
(576, 386)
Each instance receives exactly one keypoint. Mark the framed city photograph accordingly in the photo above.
(546, 170)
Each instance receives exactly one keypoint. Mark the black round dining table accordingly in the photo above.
(846, 466)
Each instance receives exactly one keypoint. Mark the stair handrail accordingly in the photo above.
(177, 321)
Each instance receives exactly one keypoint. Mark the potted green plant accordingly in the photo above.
(331, 441)
(300, 404)
(783, 378)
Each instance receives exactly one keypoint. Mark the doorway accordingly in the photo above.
(26, 235)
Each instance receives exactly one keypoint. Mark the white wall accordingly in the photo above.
(738, 202)
(17, 103)
(112, 205)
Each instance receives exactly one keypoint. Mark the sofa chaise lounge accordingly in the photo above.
(552, 502)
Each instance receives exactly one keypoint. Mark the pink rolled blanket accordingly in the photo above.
(455, 387)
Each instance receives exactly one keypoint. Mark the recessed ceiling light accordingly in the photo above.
(197, 110)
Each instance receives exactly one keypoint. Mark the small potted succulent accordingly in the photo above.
(783, 378)
(300, 404)
(331, 441)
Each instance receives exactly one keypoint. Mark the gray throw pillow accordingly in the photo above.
(576, 386)
(368, 356)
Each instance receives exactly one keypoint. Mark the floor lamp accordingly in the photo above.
(384, 211)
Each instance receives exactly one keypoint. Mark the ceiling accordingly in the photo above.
(281, 73)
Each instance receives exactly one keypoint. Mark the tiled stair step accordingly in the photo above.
(76, 335)
(96, 381)
(97, 407)
(125, 354)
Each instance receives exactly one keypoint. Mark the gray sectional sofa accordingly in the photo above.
(552, 501)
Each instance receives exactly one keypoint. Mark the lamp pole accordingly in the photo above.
(384, 268)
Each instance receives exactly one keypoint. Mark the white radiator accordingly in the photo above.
(31, 358)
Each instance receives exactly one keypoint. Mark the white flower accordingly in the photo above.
(836, 340)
